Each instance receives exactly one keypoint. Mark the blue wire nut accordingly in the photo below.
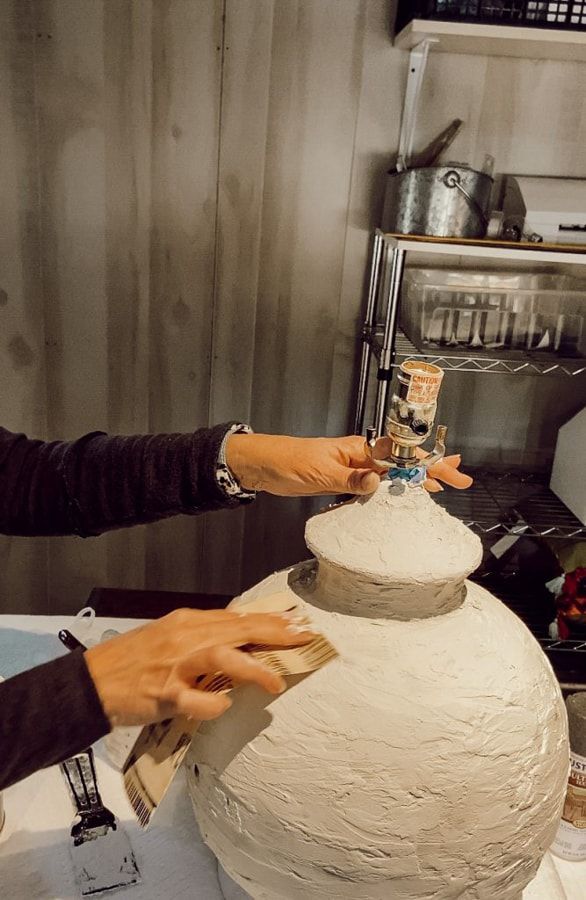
(415, 475)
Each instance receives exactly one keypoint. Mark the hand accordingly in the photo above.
(445, 470)
(149, 673)
(290, 466)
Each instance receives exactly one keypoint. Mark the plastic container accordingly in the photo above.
(541, 13)
(489, 312)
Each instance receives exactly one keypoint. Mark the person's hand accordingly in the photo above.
(446, 470)
(150, 673)
(291, 466)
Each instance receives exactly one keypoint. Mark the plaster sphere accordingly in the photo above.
(427, 762)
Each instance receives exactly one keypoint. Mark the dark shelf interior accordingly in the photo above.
(512, 502)
(517, 503)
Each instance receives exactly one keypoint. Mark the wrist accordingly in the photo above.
(102, 668)
(242, 458)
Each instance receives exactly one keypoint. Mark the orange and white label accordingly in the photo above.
(423, 389)
(570, 841)
(424, 381)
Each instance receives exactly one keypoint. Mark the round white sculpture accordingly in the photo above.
(429, 761)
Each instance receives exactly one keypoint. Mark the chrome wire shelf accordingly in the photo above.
(563, 646)
(568, 659)
(516, 503)
(523, 590)
(525, 364)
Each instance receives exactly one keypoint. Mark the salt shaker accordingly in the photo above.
(570, 841)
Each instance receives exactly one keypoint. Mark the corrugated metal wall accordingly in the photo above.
(188, 188)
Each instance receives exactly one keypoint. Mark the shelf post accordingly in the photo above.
(369, 322)
(387, 355)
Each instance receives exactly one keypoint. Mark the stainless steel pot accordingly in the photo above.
(444, 201)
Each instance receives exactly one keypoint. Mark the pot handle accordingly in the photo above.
(452, 180)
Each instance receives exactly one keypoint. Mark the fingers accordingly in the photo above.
(359, 459)
(382, 450)
(239, 667)
(201, 706)
(231, 627)
(446, 470)
(433, 486)
(253, 628)
(361, 481)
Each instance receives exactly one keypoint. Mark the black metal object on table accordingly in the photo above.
(566, 14)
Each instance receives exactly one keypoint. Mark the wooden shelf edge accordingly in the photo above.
(575, 253)
(495, 40)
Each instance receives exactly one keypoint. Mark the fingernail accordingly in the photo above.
(300, 629)
(295, 617)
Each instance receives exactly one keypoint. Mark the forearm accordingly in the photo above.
(46, 715)
(100, 483)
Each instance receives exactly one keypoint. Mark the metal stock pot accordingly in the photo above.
(442, 201)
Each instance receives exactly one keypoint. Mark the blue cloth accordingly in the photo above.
(21, 650)
(415, 475)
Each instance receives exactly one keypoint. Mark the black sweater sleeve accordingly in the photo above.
(48, 714)
(99, 483)
(86, 487)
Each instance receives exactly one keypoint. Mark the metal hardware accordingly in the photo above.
(525, 364)
(487, 506)
(452, 180)
(80, 774)
(395, 264)
(410, 420)
(102, 857)
(422, 202)
(417, 65)
(439, 448)
(382, 338)
(369, 320)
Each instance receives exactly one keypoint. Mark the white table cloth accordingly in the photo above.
(174, 862)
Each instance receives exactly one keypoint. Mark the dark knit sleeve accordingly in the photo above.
(48, 714)
(101, 482)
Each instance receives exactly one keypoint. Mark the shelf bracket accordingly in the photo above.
(417, 64)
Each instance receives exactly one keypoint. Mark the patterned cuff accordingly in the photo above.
(226, 479)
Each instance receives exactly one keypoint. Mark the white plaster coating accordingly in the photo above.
(396, 553)
(429, 761)
(397, 534)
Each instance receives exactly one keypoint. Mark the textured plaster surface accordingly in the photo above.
(429, 761)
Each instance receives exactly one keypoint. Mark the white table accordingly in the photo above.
(174, 862)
